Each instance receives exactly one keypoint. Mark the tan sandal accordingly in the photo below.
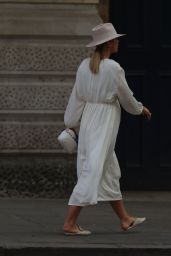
(79, 232)
(135, 223)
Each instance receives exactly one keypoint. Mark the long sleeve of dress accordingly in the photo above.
(125, 96)
(74, 108)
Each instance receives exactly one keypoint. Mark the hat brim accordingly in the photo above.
(93, 43)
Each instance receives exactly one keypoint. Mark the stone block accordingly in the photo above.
(34, 94)
(47, 19)
(30, 176)
(40, 55)
(29, 136)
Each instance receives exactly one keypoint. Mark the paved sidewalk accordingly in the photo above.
(33, 226)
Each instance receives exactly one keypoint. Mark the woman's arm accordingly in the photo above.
(126, 98)
(125, 95)
(74, 108)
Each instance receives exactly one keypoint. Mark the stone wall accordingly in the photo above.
(41, 46)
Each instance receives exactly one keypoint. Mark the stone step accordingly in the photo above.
(35, 96)
(41, 55)
(32, 135)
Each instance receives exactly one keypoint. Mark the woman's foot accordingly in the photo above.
(131, 222)
(75, 230)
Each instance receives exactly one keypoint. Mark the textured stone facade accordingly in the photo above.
(41, 46)
(40, 56)
(52, 176)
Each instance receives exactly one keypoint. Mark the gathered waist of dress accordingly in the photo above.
(110, 100)
(103, 103)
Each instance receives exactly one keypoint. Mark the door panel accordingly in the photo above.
(143, 147)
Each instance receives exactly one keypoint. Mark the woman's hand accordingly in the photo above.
(146, 112)
(74, 130)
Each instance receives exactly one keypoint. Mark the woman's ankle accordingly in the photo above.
(68, 225)
(127, 217)
(126, 221)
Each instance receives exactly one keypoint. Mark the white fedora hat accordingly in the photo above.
(103, 33)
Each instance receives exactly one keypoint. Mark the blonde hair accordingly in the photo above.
(96, 57)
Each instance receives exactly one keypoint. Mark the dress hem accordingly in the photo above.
(99, 200)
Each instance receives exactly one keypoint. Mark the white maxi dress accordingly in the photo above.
(94, 104)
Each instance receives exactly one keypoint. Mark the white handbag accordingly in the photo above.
(68, 140)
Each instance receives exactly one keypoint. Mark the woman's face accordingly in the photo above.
(113, 45)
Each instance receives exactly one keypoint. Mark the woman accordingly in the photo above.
(99, 90)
